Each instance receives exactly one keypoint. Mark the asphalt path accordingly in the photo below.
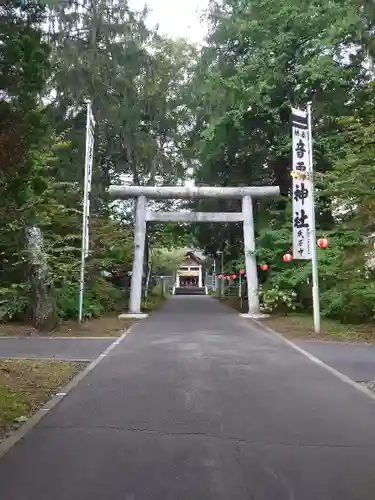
(64, 349)
(198, 404)
(353, 359)
(356, 360)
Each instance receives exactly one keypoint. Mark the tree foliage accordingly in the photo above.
(53, 57)
(262, 58)
(161, 107)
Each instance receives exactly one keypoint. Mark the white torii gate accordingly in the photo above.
(143, 215)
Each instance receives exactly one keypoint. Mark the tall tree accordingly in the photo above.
(261, 58)
(24, 69)
(104, 52)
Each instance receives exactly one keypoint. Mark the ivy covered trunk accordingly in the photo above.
(43, 308)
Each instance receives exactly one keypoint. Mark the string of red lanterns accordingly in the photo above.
(230, 276)
(322, 243)
(287, 257)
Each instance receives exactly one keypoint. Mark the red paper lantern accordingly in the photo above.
(322, 242)
(242, 272)
(264, 267)
(220, 277)
(234, 276)
(287, 257)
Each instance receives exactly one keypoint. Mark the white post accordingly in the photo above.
(214, 284)
(90, 124)
(139, 250)
(149, 270)
(314, 258)
(200, 277)
(81, 286)
(250, 259)
(222, 272)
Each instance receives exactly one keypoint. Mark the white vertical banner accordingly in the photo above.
(303, 216)
(89, 155)
(90, 129)
(304, 231)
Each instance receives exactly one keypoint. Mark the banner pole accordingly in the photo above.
(85, 215)
(314, 257)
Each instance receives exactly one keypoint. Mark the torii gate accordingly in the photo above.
(143, 215)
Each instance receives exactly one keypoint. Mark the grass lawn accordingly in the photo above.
(301, 326)
(26, 385)
(107, 325)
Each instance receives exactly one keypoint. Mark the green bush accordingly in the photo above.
(67, 301)
(154, 298)
(110, 297)
(354, 303)
(346, 293)
(278, 301)
(100, 297)
(156, 291)
(14, 302)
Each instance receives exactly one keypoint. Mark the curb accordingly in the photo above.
(333, 371)
(21, 432)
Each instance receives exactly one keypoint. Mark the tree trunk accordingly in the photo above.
(43, 305)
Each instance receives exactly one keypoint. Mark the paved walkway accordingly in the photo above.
(356, 360)
(196, 405)
(67, 349)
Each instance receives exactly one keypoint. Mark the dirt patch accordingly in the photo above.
(301, 326)
(108, 325)
(27, 385)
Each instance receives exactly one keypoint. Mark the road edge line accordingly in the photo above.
(344, 378)
(21, 432)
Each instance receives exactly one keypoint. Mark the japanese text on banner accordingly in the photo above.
(88, 176)
(302, 186)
